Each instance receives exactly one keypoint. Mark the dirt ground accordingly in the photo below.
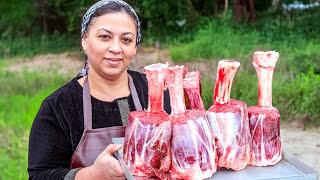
(303, 144)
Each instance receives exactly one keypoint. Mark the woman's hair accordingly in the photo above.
(111, 7)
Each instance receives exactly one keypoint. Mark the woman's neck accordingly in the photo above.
(108, 89)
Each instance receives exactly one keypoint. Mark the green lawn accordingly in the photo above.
(21, 95)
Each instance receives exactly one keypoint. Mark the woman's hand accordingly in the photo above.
(107, 165)
(104, 167)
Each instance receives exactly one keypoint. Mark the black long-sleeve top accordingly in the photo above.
(58, 126)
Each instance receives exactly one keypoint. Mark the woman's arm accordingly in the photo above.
(50, 149)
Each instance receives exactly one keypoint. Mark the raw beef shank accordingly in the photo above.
(192, 147)
(147, 139)
(228, 120)
(191, 84)
(265, 119)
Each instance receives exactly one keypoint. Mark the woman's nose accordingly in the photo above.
(115, 46)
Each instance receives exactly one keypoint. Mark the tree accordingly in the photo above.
(244, 10)
(17, 17)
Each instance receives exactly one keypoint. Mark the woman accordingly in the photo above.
(71, 134)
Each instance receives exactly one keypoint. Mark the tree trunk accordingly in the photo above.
(226, 2)
(252, 15)
(42, 6)
(244, 10)
(237, 10)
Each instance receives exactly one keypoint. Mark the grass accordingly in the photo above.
(20, 100)
(13, 152)
(211, 42)
(35, 44)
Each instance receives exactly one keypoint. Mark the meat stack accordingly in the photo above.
(228, 120)
(192, 149)
(147, 139)
(265, 119)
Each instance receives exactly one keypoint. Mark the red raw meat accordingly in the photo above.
(228, 120)
(191, 84)
(265, 119)
(147, 139)
(192, 147)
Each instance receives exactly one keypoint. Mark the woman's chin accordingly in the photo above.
(114, 72)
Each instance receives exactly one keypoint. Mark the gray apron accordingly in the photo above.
(94, 141)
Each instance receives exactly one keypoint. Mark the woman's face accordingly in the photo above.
(110, 44)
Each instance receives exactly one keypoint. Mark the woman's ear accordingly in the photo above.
(84, 42)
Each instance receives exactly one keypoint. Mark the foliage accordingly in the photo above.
(164, 19)
(41, 17)
(64, 16)
(210, 42)
(305, 89)
(160, 19)
(275, 23)
(16, 17)
(35, 44)
(207, 86)
(27, 83)
(15, 123)
(13, 152)
(297, 72)
(20, 100)
(245, 87)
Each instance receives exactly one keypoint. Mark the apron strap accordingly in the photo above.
(87, 106)
(134, 94)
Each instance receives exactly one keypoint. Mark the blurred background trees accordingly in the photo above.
(158, 17)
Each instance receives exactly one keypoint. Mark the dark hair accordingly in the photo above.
(111, 7)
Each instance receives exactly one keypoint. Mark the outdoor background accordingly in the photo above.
(39, 52)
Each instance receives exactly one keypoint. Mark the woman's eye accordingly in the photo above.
(127, 40)
(104, 36)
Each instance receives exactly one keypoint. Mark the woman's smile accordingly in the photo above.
(113, 61)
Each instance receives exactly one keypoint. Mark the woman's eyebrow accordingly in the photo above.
(125, 33)
(108, 31)
(104, 29)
